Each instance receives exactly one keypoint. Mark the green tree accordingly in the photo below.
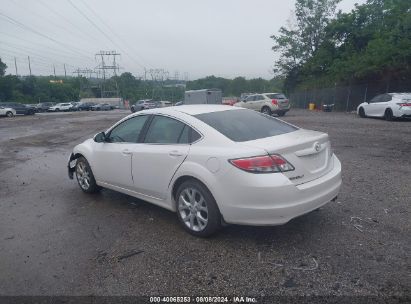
(3, 68)
(297, 42)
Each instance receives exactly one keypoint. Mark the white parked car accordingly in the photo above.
(389, 106)
(267, 103)
(61, 107)
(9, 112)
(212, 164)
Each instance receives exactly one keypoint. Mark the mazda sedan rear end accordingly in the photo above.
(212, 165)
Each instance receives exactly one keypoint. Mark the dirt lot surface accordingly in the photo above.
(56, 240)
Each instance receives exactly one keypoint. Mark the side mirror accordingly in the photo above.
(100, 137)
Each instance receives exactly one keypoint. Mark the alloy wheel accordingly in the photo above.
(193, 209)
(83, 175)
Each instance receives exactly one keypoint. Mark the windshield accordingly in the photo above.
(245, 125)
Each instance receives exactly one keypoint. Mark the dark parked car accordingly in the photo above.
(20, 108)
(44, 106)
(102, 107)
(83, 106)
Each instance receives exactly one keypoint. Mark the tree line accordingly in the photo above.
(36, 89)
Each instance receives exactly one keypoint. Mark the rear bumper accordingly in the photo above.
(277, 204)
(402, 112)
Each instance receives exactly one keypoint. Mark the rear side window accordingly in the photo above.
(245, 125)
(188, 136)
(164, 130)
(276, 96)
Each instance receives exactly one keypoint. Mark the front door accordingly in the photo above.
(113, 158)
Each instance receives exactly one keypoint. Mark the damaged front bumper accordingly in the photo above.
(71, 166)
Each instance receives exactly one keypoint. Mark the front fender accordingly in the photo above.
(84, 149)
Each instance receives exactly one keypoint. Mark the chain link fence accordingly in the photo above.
(346, 98)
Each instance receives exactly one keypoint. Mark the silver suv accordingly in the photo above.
(267, 103)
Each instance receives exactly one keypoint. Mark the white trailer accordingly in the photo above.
(206, 96)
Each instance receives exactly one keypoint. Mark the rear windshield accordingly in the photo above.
(276, 96)
(245, 125)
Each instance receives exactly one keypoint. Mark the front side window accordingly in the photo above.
(128, 131)
(164, 130)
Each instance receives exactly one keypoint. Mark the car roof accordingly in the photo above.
(400, 94)
(193, 109)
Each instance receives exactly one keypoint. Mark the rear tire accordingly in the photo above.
(9, 114)
(388, 115)
(266, 110)
(361, 112)
(85, 177)
(281, 114)
(197, 209)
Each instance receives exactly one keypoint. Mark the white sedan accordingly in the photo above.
(9, 112)
(389, 106)
(61, 107)
(212, 164)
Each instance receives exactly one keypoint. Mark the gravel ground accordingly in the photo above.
(56, 240)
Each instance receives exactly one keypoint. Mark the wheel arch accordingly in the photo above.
(197, 173)
(180, 180)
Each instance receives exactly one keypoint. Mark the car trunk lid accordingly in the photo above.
(308, 151)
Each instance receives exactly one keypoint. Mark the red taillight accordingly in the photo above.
(274, 101)
(404, 104)
(263, 164)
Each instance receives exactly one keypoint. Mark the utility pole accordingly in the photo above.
(106, 69)
(65, 72)
(54, 68)
(29, 64)
(15, 65)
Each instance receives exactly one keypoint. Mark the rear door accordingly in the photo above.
(163, 150)
(258, 102)
(382, 105)
(371, 109)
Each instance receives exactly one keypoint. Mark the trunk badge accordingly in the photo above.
(317, 146)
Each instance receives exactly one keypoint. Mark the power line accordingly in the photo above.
(114, 33)
(68, 21)
(42, 18)
(91, 21)
(27, 50)
(44, 47)
(21, 25)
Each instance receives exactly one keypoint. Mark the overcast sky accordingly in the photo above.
(196, 38)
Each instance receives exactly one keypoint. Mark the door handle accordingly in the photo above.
(175, 153)
(126, 152)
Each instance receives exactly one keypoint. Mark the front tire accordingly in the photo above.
(388, 116)
(9, 114)
(361, 112)
(85, 177)
(197, 209)
(266, 110)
